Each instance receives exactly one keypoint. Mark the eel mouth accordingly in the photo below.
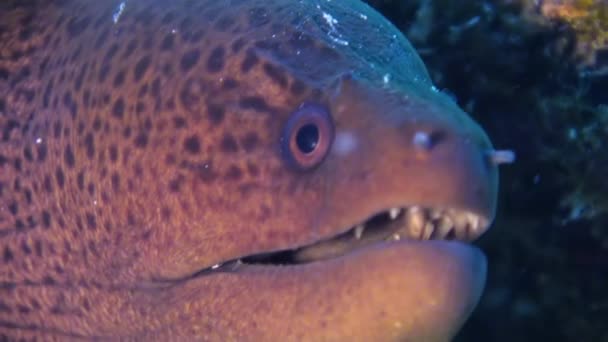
(415, 223)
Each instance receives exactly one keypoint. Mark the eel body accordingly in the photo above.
(236, 170)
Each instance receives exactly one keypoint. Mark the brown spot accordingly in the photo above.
(130, 48)
(13, 208)
(77, 25)
(224, 23)
(48, 280)
(97, 124)
(170, 159)
(131, 218)
(192, 144)
(38, 248)
(229, 144)
(103, 73)
(301, 41)
(140, 107)
(17, 165)
(143, 90)
(91, 222)
(170, 104)
(179, 122)
(175, 184)
(250, 61)
(233, 173)
(119, 79)
(258, 16)
(86, 98)
(238, 45)
(230, 83)
(167, 43)
(4, 308)
(185, 25)
(113, 151)
(115, 179)
(165, 213)
(250, 141)
(111, 52)
(57, 129)
(7, 255)
(8, 128)
(189, 59)
(25, 34)
(23, 309)
(101, 39)
(253, 170)
(216, 60)
(68, 156)
(193, 37)
(140, 68)
(141, 140)
(46, 96)
(297, 88)
(60, 177)
(19, 225)
(118, 110)
(42, 152)
(276, 75)
(46, 219)
(89, 144)
(168, 18)
(27, 153)
(216, 113)
(255, 103)
(80, 180)
(80, 78)
(48, 185)
(25, 247)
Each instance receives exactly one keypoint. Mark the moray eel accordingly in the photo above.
(238, 170)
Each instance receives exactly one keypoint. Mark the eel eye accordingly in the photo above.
(307, 136)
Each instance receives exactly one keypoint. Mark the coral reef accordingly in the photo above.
(589, 20)
(534, 74)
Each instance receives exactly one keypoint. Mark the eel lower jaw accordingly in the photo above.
(411, 223)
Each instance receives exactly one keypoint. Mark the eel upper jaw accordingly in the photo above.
(412, 223)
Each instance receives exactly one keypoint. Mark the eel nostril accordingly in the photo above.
(427, 141)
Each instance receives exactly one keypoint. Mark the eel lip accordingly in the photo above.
(415, 223)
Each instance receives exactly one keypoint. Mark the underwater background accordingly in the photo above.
(534, 74)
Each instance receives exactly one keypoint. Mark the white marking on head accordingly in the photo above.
(344, 143)
(422, 140)
(386, 78)
(333, 33)
(498, 157)
(119, 11)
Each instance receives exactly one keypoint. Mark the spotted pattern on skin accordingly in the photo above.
(88, 104)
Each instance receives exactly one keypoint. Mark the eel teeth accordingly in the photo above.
(415, 221)
(359, 231)
(444, 226)
(393, 213)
